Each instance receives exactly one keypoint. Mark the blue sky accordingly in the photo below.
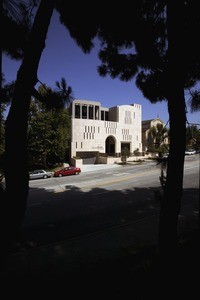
(63, 58)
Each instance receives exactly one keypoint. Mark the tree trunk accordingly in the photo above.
(171, 204)
(16, 166)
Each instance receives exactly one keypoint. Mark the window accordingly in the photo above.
(77, 111)
(91, 112)
(96, 112)
(84, 112)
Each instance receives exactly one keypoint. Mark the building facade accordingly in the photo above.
(147, 125)
(101, 132)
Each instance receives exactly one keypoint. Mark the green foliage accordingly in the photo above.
(49, 125)
(48, 134)
(136, 152)
(125, 153)
(156, 137)
(192, 137)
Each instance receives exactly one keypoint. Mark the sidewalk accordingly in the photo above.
(93, 168)
(96, 167)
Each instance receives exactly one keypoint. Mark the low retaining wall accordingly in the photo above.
(109, 160)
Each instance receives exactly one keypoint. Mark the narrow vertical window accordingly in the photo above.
(84, 111)
(77, 111)
(91, 114)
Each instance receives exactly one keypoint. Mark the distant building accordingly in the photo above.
(146, 126)
(98, 132)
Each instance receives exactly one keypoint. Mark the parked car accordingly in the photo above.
(190, 152)
(39, 174)
(67, 171)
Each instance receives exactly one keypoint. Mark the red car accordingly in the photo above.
(67, 171)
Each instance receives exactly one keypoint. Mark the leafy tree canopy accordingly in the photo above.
(138, 45)
(48, 134)
(17, 19)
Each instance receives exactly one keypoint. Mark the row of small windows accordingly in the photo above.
(127, 137)
(110, 130)
(128, 114)
(91, 129)
(77, 145)
(110, 124)
(138, 106)
(125, 131)
(93, 112)
(90, 112)
(88, 136)
(127, 120)
(86, 111)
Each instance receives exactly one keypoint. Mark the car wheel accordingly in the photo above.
(60, 175)
(45, 176)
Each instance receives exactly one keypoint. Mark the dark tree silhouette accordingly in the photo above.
(14, 207)
(153, 43)
(65, 92)
(194, 100)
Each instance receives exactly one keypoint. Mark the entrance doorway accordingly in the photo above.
(110, 146)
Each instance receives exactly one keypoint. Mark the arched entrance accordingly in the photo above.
(110, 146)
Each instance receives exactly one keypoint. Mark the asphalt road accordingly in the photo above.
(67, 207)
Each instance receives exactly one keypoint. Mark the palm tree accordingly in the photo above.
(65, 92)
(157, 136)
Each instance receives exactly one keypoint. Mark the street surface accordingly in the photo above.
(74, 206)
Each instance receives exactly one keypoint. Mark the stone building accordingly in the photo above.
(99, 133)
(146, 126)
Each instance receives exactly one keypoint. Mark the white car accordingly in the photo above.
(40, 174)
(190, 152)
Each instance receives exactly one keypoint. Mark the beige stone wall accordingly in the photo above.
(91, 134)
(130, 126)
